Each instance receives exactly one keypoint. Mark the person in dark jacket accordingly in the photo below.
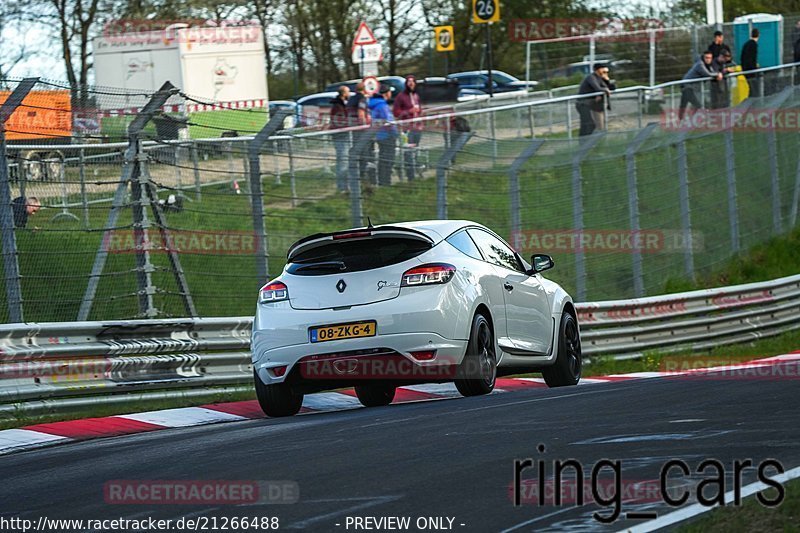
(749, 61)
(720, 94)
(704, 68)
(358, 115)
(407, 105)
(341, 141)
(386, 135)
(718, 46)
(23, 208)
(592, 109)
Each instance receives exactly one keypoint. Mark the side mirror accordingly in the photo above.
(541, 262)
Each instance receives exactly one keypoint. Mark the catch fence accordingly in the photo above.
(150, 212)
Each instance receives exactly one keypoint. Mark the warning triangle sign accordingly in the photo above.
(364, 36)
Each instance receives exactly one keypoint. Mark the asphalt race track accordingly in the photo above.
(447, 458)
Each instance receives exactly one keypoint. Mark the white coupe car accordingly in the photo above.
(390, 305)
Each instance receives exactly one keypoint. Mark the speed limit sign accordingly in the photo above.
(371, 85)
(444, 39)
(484, 11)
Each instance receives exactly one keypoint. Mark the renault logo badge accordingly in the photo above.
(341, 286)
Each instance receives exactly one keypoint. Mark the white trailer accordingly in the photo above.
(224, 65)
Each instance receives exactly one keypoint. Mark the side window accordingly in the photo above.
(465, 245)
(495, 250)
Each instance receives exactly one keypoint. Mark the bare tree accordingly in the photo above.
(13, 50)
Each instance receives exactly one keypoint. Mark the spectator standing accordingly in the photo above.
(358, 115)
(341, 140)
(704, 68)
(718, 46)
(592, 109)
(749, 61)
(720, 97)
(407, 105)
(23, 208)
(382, 118)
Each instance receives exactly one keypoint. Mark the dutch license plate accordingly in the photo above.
(352, 330)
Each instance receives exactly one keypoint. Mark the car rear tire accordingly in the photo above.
(566, 370)
(375, 394)
(277, 400)
(478, 370)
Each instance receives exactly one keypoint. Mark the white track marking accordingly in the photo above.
(183, 417)
(330, 401)
(14, 439)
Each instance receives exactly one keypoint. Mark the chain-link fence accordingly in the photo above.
(645, 53)
(195, 205)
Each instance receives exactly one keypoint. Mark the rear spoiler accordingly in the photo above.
(320, 239)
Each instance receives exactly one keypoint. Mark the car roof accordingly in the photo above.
(437, 230)
(475, 73)
(329, 95)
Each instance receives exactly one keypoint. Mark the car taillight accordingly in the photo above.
(425, 355)
(428, 275)
(273, 292)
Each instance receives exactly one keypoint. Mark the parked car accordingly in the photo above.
(315, 109)
(501, 82)
(383, 306)
(398, 83)
(290, 121)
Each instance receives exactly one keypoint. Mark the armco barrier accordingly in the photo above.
(78, 364)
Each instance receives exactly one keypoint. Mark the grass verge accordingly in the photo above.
(753, 517)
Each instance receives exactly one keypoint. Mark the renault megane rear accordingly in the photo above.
(413, 302)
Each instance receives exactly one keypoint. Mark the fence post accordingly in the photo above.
(796, 195)
(292, 183)
(362, 146)
(514, 189)
(82, 177)
(196, 166)
(493, 130)
(772, 147)
(441, 172)
(130, 173)
(141, 235)
(10, 258)
(530, 121)
(733, 210)
(569, 119)
(633, 206)
(652, 73)
(686, 214)
(586, 144)
(256, 191)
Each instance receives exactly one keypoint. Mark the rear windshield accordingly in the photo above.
(356, 255)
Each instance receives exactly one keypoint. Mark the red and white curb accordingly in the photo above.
(46, 434)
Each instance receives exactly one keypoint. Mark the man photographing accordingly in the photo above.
(592, 109)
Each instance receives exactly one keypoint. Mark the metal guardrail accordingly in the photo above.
(76, 364)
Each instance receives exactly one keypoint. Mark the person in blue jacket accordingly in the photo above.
(386, 135)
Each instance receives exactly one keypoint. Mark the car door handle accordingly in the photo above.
(507, 286)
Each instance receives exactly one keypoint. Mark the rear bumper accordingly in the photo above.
(422, 319)
(336, 359)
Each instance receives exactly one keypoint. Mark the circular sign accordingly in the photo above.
(485, 11)
(371, 84)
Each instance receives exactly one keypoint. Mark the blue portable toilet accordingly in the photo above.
(770, 42)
